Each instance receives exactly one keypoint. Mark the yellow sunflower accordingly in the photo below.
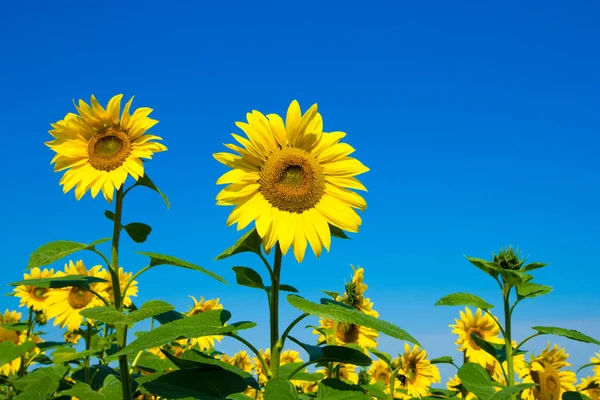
(241, 360)
(71, 337)
(417, 372)
(259, 371)
(205, 342)
(10, 317)
(99, 150)
(65, 304)
(596, 368)
(347, 372)
(454, 384)
(380, 371)
(350, 333)
(293, 180)
(552, 382)
(593, 392)
(124, 277)
(31, 296)
(481, 325)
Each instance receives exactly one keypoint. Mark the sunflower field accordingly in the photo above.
(290, 186)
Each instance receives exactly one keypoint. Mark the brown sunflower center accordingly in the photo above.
(411, 371)
(384, 376)
(292, 180)
(108, 149)
(79, 298)
(348, 333)
(549, 382)
(38, 293)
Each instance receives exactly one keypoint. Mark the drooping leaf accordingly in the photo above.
(376, 390)
(505, 393)
(110, 390)
(332, 353)
(110, 215)
(385, 357)
(137, 231)
(161, 259)
(463, 299)
(152, 363)
(51, 345)
(54, 251)
(200, 384)
(442, 360)
(169, 316)
(476, 380)
(568, 333)
(280, 389)
(339, 313)
(98, 373)
(147, 182)
(82, 281)
(248, 277)
(283, 288)
(334, 389)
(110, 315)
(531, 290)
(488, 267)
(532, 266)
(250, 241)
(333, 295)
(10, 351)
(208, 323)
(337, 232)
(574, 396)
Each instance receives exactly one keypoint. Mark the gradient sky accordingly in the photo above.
(479, 123)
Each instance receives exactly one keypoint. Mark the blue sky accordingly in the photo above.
(479, 123)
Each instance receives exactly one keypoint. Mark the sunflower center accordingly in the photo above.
(348, 333)
(38, 293)
(79, 298)
(292, 180)
(108, 149)
(411, 372)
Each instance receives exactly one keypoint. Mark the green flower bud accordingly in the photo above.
(509, 259)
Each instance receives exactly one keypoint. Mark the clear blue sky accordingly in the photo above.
(480, 124)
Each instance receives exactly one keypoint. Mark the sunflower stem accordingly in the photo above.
(276, 344)
(30, 323)
(114, 270)
(88, 345)
(508, 342)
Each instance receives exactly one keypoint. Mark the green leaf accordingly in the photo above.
(514, 277)
(283, 288)
(492, 349)
(10, 351)
(532, 266)
(146, 181)
(587, 365)
(376, 390)
(334, 353)
(574, 396)
(568, 333)
(286, 370)
(83, 281)
(248, 277)
(334, 389)
(110, 215)
(138, 231)
(161, 259)
(169, 316)
(149, 309)
(110, 390)
(333, 295)
(463, 299)
(54, 251)
(110, 315)
(507, 391)
(15, 326)
(348, 315)
(442, 360)
(239, 396)
(488, 267)
(383, 356)
(208, 323)
(153, 363)
(98, 372)
(200, 384)
(337, 232)
(107, 315)
(476, 380)
(531, 290)
(250, 241)
(65, 355)
(280, 389)
(51, 345)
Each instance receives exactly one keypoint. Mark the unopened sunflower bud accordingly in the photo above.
(509, 259)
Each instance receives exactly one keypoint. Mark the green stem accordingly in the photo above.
(98, 295)
(393, 384)
(495, 320)
(508, 342)
(301, 367)
(30, 323)
(276, 345)
(526, 340)
(88, 345)
(260, 357)
(126, 383)
(141, 271)
(103, 257)
(290, 327)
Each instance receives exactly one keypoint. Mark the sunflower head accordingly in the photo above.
(478, 324)
(292, 179)
(9, 317)
(552, 382)
(590, 386)
(100, 147)
(417, 371)
(509, 258)
(241, 360)
(31, 296)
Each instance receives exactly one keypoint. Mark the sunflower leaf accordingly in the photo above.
(335, 389)
(54, 251)
(67, 354)
(336, 312)
(110, 315)
(530, 290)
(587, 365)
(248, 277)
(10, 351)
(493, 349)
(574, 396)
(110, 215)
(147, 182)
(283, 287)
(488, 267)
(476, 380)
(161, 259)
(532, 266)
(250, 241)
(337, 232)
(568, 333)
(515, 278)
(442, 360)
(137, 231)
(383, 356)
(15, 326)
(505, 392)
(110, 390)
(82, 281)
(463, 299)
(280, 389)
(287, 369)
(332, 353)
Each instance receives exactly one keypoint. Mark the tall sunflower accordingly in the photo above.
(65, 304)
(99, 148)
(10, 317)
(417, 372)
(124, 277)
(31, 296)
(481, 325)
(547, 371)
(350, 333)
(292, 179)
(205, 342)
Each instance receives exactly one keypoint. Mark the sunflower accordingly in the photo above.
(64, 304)
(293, 180)
(347, 372)
(124, 277)
(259, 371)
(454, 383)
(552, 382)
(350, 333)
(416, 371)
(10, 317)
(380, 371)
(205, 342)
(99, 150)
(31, 296)
(72, 337)
(590, 386)
(241, 360)
(481, 325)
